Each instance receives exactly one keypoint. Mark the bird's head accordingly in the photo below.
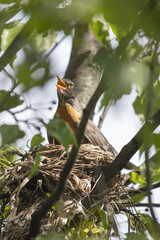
(66, 92)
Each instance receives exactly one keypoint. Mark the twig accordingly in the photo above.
(47, 55)
(136, 216)
(10, 76)
(139, 204)
(102, 117)
(141, 191)
(144, 50)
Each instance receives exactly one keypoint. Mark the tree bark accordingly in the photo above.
(82, 70)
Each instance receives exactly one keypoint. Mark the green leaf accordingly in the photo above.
(7, 156)
(37, 139)
(28, 78)
(140, 76)
(35, 166)
(136, 178)
(156, 98)
(51, 236)
(156, 177)
(10, 133)
(149, 224)
(139, 108)
(121, 68)
(138, 198)
(156, 140)
(100, 29)
(106, 98)
(117, 32)
(8, 35)
(9, 100)
(133, 50)
(155, 162)
(122, 14)
(61, 130)
(102, 215)
(136, 236)
(152, 28)
(43, 42)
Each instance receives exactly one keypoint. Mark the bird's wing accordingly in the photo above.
(95, 136)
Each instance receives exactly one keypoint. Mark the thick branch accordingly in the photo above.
(84, 73)
(132, 147)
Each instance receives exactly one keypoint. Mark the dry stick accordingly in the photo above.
(59, 189)
(139, 204)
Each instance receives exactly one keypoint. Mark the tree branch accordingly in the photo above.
(38, 65)
(82, 70)
(120, 162)
(132, 147)
(141, 191)
(103, 115)
(139, 204)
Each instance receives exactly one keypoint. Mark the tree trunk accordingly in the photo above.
(82, 70)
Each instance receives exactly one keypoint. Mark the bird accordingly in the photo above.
(69, 110)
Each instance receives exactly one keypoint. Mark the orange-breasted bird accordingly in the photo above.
(69, 109)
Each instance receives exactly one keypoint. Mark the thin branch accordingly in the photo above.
(141, 191)
(10, 76)
(38, 65)
(102, 117)
(136, 216)
(154, 186)
(138, 204)
(144, 50)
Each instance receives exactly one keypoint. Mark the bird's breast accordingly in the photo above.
(68, 114)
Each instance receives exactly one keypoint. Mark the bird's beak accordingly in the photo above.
(61, 84)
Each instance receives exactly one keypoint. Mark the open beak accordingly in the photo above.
(61, 84)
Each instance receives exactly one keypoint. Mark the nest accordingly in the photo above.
(25, 194)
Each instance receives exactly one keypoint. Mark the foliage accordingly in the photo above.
(30, 28)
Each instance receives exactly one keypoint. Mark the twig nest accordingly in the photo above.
(27, 193)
